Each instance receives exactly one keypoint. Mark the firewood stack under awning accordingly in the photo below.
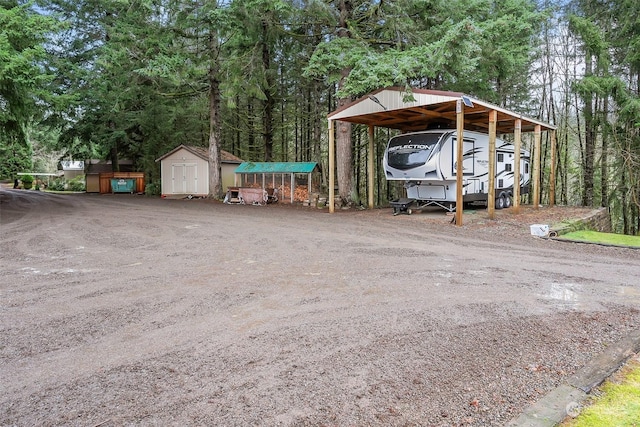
(300, 194)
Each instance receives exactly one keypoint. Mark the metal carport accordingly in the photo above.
(395, 108)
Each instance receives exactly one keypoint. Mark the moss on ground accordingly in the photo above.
(603, 238)
(618, 403)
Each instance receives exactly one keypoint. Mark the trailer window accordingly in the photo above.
(468, 159)
(409, 151)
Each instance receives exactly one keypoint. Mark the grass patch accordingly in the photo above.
(618, 405)
(605, 238)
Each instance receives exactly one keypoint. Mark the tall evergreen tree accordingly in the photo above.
(253, 55)
(23, 81)
(435, 45)
(192, 65)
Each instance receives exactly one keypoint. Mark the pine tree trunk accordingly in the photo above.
(317, 133)
(604, 163)
(589, 140)
(344, 146)
(624, 202)
(269, 102)
(344, 160)
(215, 181)
(114, 156)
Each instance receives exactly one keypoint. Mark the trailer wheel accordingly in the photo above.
(500, 202)
(409, 211)
(507, 201)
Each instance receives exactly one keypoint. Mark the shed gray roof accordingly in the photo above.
(203, 153)
(276, 167)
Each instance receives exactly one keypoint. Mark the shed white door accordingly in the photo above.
(184, 178)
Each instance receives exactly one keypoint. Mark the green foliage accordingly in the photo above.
(484, 55)
(593, 38)
(448, 59)
(509, 32)
(132, 79)
(57, 184)
(77, 184)
(27, 181)
(23, 81)
(617, 404)
(152, 189)
(604, 238)
(255, 28)
(22, 35)
(333, 56)
(608, 91)
(140, 88)
(14, 157)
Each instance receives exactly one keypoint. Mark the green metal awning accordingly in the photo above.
(276, 167)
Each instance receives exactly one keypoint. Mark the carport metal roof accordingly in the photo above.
(276, 167)
(391, 108)
(387, 108)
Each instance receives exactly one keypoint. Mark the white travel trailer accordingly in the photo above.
(426, 162)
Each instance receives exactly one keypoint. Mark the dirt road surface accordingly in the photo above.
(126, 310)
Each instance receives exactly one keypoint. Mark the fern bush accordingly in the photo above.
(57, 184)
(77, 184)
(152, 189)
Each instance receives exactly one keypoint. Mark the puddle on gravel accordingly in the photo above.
(565, 294)
(571, 296)
(35, 271)
(629, 293)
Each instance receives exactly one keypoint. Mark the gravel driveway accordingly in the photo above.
(126, 310)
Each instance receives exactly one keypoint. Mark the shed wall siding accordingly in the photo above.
(184, 173)
(227, 172)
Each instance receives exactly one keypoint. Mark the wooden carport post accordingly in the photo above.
(459, 160)
(293, 186)
(370, 166)
(552, 171)
(332, 165)
(491, 194)
(517, 137)
(536, 168)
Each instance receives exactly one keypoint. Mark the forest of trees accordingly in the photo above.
(116, 79)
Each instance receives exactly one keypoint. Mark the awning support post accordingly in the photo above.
(552, 171)
(293, 187)
(491, 193)
(332, 165)
(459, 160)
(517, 137)
(370, 171)
(536, 167)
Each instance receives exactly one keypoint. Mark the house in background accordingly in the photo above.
(185, 170)
(72, 168)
